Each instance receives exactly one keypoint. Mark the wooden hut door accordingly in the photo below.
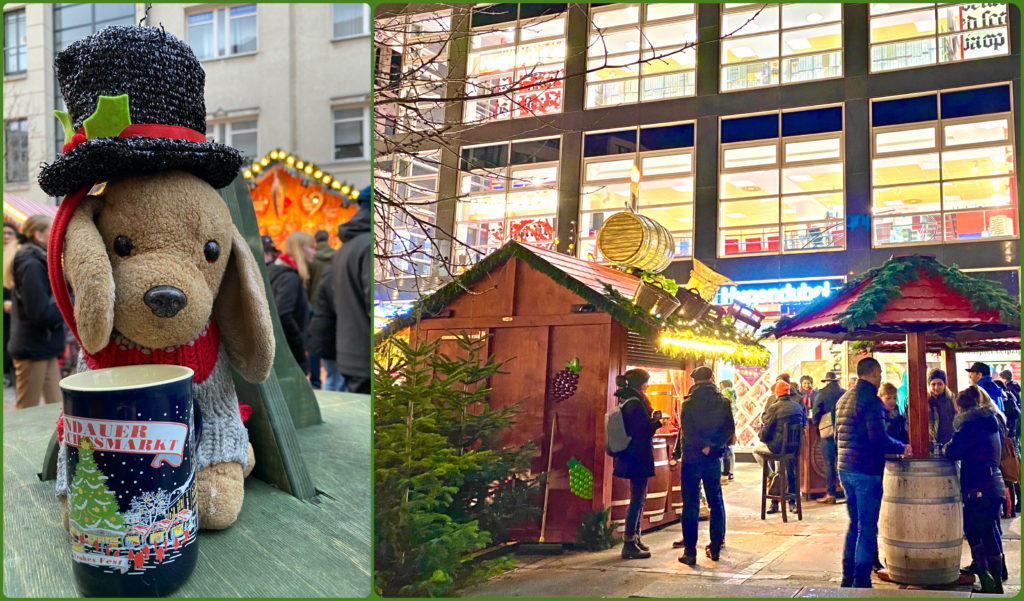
(526, 352)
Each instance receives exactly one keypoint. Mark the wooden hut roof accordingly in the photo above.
(910, 294)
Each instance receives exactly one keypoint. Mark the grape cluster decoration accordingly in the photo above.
(581, 480)
(565, 382)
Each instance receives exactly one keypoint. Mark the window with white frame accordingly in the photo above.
(15, 42)
(412, 63)
(410, 184)
(664, 154)
(781, 183)
(642, 52)
(349, 20)
(350, 133)
(223, 32)
(914, 35)
(508, 191)
(942, 167)
(16, 150)
(516, 61)
(240, 134)
(769, 44)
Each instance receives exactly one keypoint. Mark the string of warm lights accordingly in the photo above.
(687, 343)
(300, 168)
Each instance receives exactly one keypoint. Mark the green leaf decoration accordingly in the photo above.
(574, 365)
(109, 119)
(65, 119)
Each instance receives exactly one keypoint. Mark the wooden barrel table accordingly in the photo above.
(920, 526)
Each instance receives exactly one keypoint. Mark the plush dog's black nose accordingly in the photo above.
(165, 301)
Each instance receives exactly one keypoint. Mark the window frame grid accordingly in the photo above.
(364, 132)
(217, 25)
(22, 124)
(540, 67)
(406, 116)
(367, 26)
(426, 210)
(779, 56)
(937, 36)
(641, 25)
(780, 165)
(637, 157)
(20, 23)
(940, 147)
(506, 174)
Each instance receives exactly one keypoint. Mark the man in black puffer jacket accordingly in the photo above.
(824, 403)
(787, 409)
(863, 445)
(706, 429)
(352, 290)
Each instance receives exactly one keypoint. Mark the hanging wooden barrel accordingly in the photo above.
(920, 526)
(636, 241)
(658, 486)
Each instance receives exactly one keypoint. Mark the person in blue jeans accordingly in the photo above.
(824, 404)
(863, 445)
(706, 429)
(636, 461)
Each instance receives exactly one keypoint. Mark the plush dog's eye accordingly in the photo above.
(123, 246)
(211, 250)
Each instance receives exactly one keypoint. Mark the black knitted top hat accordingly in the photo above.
(164, 83)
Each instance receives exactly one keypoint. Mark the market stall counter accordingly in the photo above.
(280, 546)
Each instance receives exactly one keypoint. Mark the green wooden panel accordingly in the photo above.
(281, 546)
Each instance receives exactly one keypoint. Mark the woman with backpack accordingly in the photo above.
(636, 461)
(978, 432)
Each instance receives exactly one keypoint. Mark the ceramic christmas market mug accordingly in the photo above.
(132, 479)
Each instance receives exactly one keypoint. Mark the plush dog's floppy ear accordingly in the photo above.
(87, 267)
(243, 315)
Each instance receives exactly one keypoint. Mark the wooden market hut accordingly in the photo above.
(291, 194)
(540, 309)
(920, 301)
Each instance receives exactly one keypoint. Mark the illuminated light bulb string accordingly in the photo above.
(308, 172)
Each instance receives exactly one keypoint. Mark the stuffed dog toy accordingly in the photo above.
(159, 272)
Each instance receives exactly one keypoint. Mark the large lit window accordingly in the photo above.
(642, 52)
(782, 193)
(15, 42)
(664, 155)
(409, 182)
(943, 167)
(240, 134)
(16, 150)
(509, 191)
(223, 32)
(516, 61)
(912, 35)
(412, 63)
(349, 20)
(351, 130)
(769, 44)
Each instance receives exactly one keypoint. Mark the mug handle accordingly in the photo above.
(197, 417)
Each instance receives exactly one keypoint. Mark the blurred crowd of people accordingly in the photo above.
(322, 295)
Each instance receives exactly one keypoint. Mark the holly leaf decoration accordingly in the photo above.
(109, 119)
(574, 365)
(65, 119)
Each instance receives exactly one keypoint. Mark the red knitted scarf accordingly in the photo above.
(200, 354)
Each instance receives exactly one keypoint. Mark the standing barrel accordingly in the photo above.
(620, 504)
(636, 241)
(658, 486)
(921, 521)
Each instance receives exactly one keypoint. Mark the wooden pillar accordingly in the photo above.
(949, 365)
(917, 401)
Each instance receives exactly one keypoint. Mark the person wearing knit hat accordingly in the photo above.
(784, 410)
(353, 306)
(823, 417)
(940, 408)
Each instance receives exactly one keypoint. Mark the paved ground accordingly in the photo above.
(760, 559)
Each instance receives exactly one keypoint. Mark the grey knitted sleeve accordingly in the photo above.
(223, 438)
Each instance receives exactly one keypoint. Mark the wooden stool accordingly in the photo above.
(793, 431)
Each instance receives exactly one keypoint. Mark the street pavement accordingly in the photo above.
(760, 559)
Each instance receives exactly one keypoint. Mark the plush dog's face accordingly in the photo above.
(168, 237)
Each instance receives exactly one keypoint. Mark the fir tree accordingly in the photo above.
(93, 504)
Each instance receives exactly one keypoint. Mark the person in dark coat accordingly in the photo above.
(352, 297)
(10, 246)
(787, 409)
(980, 374)
(37, 328)
(322, 332)
(706, 429)
(940, 408)
(824, 403)
(285, 275)
(977, 444)
(1013, 428)
(636, 462)
(863, 445)
(895, 422)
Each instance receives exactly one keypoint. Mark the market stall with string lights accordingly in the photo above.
(18, 209)
(291, 194)
(540, 310)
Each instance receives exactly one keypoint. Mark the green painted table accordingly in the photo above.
(279, 547)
